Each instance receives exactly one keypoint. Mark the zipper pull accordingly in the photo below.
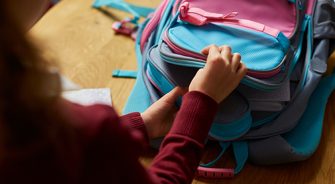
(127, 27)
(201, 17)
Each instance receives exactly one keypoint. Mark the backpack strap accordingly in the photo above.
(124, 73)
(224, 146)
(128, 26)
(240, 149)
(136, 11)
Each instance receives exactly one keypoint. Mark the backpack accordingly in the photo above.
(276, 114)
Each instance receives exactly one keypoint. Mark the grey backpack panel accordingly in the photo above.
(292, 113)
(272, 148)
(324, 16)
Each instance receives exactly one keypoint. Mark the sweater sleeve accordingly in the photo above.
(134, 121)
(182, 148)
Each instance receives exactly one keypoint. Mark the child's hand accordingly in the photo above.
(221, 74)
(159, 116)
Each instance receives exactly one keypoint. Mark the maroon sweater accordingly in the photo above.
(111, 146)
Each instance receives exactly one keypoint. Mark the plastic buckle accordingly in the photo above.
(126, 27)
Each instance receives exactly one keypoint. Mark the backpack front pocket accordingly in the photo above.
(262, 53)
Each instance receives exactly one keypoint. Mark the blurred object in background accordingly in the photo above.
(54, 1)
(28, 12)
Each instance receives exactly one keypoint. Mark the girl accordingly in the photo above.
(45, 139)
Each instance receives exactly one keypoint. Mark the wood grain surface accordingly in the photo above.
(81, 40)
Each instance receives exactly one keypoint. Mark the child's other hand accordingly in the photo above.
(221, 74)
(159, 117)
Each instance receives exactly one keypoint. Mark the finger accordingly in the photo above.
(226, 53)
(236, 61)
(242, 70)
(205, 50)
(173, 95)
(214, 54)
(184, 90)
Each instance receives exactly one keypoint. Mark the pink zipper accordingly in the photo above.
(199, 17)
(310, 6)
(263, 75)
(175, 7)
(152, 23)
(153, 83)
(181, 51)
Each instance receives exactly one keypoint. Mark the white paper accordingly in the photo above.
(74, 93)
(89, 96)
(67, 84)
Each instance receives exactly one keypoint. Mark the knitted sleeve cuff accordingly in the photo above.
(135, 121)
(195, 116)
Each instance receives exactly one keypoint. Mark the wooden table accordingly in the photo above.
(80, 38)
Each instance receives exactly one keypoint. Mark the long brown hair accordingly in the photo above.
(30, 115)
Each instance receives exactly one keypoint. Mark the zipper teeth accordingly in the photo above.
(161, 71)
(154, 79)
(297, 9)
(183, 62)
(193, 60)
(263, 75)
(176, 6)
(181, 50)
(152, 82)
(153, 23)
